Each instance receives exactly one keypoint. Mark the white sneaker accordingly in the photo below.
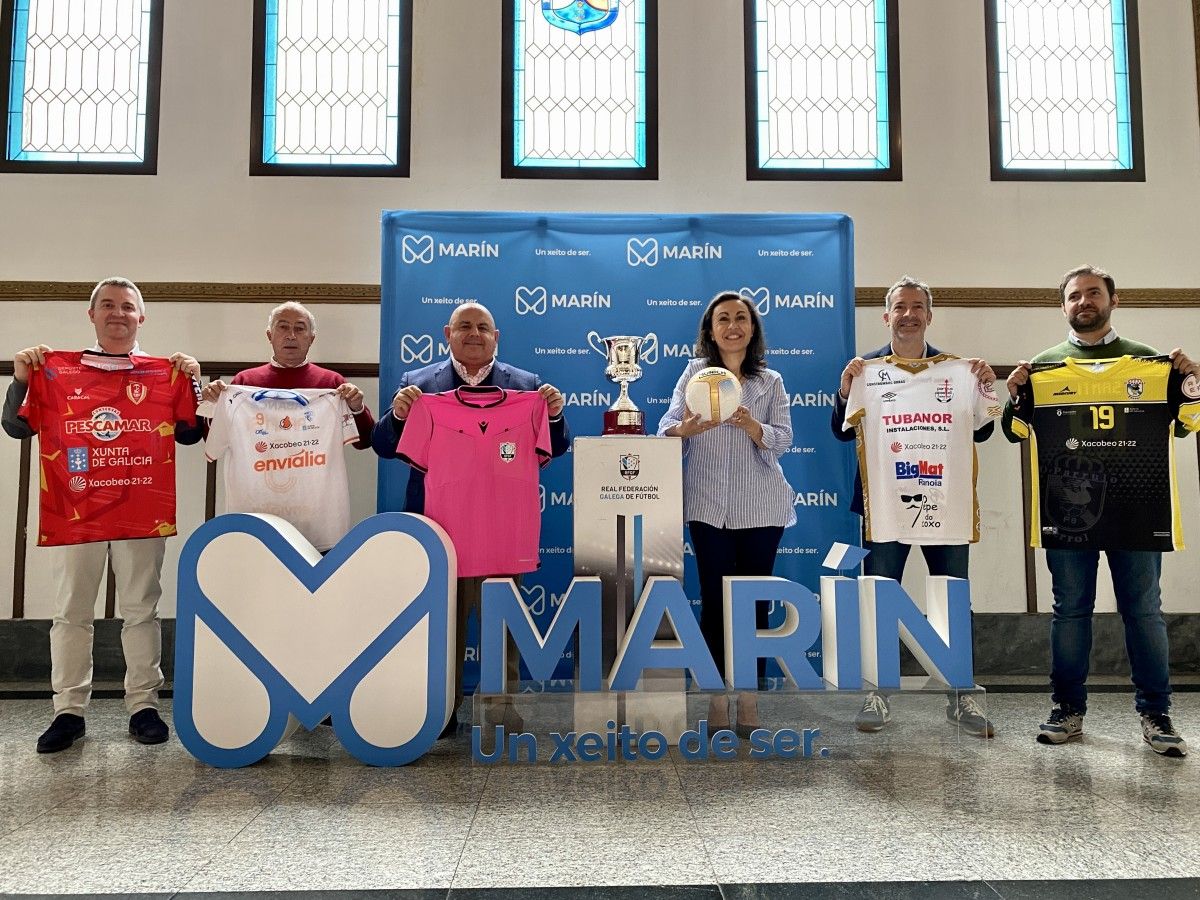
(1160, 734)
(1062, 725)
(874, 713)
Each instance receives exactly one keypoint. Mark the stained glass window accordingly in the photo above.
(81, 81)
(822, 98)
(580, 89)
(332, 87)
(1064, 93)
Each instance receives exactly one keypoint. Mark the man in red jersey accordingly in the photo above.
(291, 330)
(116, 311)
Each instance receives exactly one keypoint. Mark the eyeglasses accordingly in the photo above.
(912, 498)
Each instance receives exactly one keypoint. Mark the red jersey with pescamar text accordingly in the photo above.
(481, 449)
(106, 430)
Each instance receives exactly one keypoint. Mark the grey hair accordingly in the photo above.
(292, 306)
(907, 281)
(1085, 270)
(117, 281)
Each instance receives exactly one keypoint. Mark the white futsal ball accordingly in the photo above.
(714, 394)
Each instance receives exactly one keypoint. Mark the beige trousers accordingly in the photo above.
(137, 566)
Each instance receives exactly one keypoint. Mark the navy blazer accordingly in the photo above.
(436, 379)
(839, 417)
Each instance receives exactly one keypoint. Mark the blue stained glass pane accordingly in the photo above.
(788, 35)
(1032, 57)
(63, 105)
(566, 114)
(333, 94)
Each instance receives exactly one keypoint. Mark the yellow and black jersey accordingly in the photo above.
(1101, 451)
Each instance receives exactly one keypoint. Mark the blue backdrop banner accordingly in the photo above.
(551, 279)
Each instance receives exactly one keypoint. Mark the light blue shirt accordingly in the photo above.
(728, 480)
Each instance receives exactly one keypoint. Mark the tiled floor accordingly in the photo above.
(917, 810)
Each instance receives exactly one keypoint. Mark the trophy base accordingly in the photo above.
(624, 421)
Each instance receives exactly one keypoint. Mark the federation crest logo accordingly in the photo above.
(944, 392)
(136, 392)
(416, 248)
(1134, 388)
(508, 451)
(641, 253)
(580, 16)
(631, 465)
(760, 297)
(1191, 387)
(285, 423)
(1075, 493)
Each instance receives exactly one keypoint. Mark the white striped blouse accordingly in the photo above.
(728, 481)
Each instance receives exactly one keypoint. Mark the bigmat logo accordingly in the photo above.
(537, 300)
(650, 252)
(268, 629)
(421, 248)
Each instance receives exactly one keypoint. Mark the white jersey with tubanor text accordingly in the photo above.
(914, 421)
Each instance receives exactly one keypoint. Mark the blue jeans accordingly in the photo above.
(887, 559)
(1135, 576)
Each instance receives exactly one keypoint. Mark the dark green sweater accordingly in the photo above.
(1118, 348)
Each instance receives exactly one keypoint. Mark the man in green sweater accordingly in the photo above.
(1088, 296)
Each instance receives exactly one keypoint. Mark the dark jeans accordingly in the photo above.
(1135, 576)
(722, 552)
(887, 559)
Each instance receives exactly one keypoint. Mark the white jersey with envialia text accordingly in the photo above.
(283, 455)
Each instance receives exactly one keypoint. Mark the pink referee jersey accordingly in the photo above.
(481, 449)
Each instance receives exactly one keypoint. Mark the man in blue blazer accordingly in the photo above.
(472, 336)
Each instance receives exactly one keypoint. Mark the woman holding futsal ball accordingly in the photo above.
(735, 425)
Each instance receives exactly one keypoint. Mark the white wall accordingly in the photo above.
(202, 218)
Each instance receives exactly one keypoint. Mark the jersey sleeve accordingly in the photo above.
(1022, 411)
(417, 435)
(1183, 393)
(856, 403)
(987, 404)
(216, 444)
(541, 430)
(349, 425)
(186, 397)
(34, 404)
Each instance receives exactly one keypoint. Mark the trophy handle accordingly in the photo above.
(597, 343)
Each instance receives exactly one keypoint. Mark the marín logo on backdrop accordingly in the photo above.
(813, 398)
(536, 300)
(764, 300)
(816, 498)
(649, 252)
(420, 348)
(420, 248)
(556, 498)
(589, 398)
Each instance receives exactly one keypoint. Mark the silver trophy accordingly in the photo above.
(623, 353)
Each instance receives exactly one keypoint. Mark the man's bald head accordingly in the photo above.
(472, 336)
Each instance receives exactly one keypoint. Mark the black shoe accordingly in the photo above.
(147, 727)
(451, 728)
(65, 730)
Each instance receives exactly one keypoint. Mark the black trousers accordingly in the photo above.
(722, 552)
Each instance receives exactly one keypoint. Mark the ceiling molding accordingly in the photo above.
(352, 294)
